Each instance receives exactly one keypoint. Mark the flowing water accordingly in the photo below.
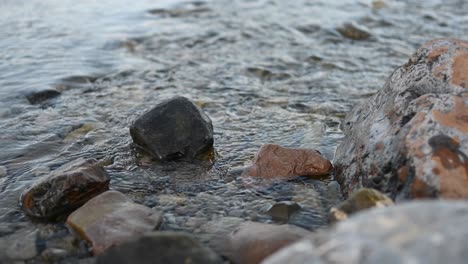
(263, 70)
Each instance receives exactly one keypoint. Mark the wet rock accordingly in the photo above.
(282, 211)
(274, 161)
(18, 246)
(360, 200)
(65, 189)
(111, 219)
(252, 242)
(410, 140)
(354, 31)
(38, 97)
(161, 248)
(173, 129)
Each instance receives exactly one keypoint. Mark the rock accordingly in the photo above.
(252, 242)
(18, 246)
(173, 129)
(360, 200)
(3, 171)
(111, 219)
(38, 97)
(410, 140)
(215, 233)
(426, 232)
(354, 31)
(299, 252)
(161, 248)
(65, 189)
(274, 161)
(281, 211)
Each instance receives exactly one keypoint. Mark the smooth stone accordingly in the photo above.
(161, 248)
(173, 129)
(252, 242)
(274, 161)
(282, 211)
(111, 219)
(410, 139)
(38, 97)
(65, 189)
(18, 246)
(362, 199)
(354, 31)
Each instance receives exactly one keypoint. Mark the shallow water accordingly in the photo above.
(264, 71)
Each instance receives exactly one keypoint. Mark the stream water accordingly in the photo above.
(265, 71)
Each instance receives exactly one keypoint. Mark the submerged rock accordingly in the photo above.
(360, 200)
(160, 248)
(274, 161)
(173, 129)
(38, 97)
(283, 210)
(426, 232)
(21, 245)
(111, 219)
(251, 242)
(354, 31)
(410, 140)
(65, 189)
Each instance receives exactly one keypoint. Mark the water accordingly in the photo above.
(264, 71)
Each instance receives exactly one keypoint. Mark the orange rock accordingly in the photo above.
(111, 219)
(274, 161)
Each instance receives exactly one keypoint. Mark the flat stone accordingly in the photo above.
(283, 210)
(354, 31)
(274, 161)
(173, 129)
(252, 242)
(362, 199)
(111, 219)
(65, 189)
(410, 140)
(161, 248)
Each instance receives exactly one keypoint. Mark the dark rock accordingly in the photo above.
(354, 31)
(65, 189)
(161, 248)
(252, 242)
(111, 219)
(360, 200)
(282, 211)
(426, 232)
(274, 161)
(410, 140)
(173, 129)
(38, 97)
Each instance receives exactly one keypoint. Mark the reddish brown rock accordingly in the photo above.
(410, 140)
(274, 161)
(111, 219)
(66, 189)
(253, 242)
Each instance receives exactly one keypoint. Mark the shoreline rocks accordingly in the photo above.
(410, 140)
(111, 219)
(175, 128)
(65, 189)
(274, 161)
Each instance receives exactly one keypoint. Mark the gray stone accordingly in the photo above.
(354, 31)
(282, 211)
(161, 248)
(173, 129)
(65, 189)
(300, 252)
(410, 140)
(18, 246)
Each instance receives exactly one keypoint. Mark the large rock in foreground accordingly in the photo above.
(66, 189)
(174, 129)
(161, 248)
(274, 161)
(427, 232)
(252, 242)
(111, 219)
(410, 140)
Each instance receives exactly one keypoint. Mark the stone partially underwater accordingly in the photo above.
(410, 140)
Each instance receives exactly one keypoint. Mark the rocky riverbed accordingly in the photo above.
(214, 124)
